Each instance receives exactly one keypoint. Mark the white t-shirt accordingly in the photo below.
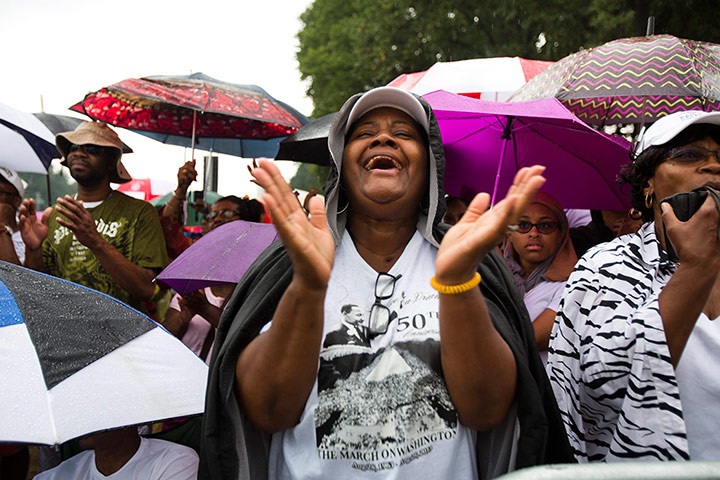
(380, 406)
(155, 460)
(544, 295)
(698, 376)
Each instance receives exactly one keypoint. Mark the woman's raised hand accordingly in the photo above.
(308, 241)
(695, 241)
(480, 230)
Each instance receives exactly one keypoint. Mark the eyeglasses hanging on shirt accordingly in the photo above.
(380, 315)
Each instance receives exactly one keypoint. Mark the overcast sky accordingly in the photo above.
(63, 49)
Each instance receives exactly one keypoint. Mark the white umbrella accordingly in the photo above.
(26, 144)
(74, 361)
(493, 79)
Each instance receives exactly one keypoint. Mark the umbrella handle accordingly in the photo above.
(192, 152)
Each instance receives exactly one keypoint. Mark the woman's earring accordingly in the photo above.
(648, 200)
(347, 204)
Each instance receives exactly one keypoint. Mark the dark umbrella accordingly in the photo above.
(62, 123)
(632, 80)
(309, 144)
(74, 361)
(192, 106)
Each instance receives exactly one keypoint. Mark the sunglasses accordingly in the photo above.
(544, 227)
(222, 213)
(379, 313)
(95, 150)
(691, 154)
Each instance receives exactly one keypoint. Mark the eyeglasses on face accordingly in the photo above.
(379, 313)
(89, 149)
(222, 213)
(690, 154)
(544, 227)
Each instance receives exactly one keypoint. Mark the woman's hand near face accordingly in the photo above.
(480, 229)
(695, 241)
(308, 241)
(693, 287)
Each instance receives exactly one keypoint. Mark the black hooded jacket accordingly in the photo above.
(233, 448)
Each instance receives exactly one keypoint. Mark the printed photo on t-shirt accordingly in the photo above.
(387, 405)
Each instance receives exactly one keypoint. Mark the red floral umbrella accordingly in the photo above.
(193, 106)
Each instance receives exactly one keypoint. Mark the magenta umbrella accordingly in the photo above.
(487, 142)
(220, 256)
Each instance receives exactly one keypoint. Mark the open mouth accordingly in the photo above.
(382, 162)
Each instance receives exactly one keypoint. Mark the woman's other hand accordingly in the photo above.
(33, 231)
(480, 230)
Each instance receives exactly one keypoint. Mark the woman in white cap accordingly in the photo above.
(432, 377)
(12, 248)
(635, 350)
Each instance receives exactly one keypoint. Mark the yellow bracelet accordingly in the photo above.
(455, 289)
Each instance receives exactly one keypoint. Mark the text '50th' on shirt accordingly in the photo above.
(380, 407)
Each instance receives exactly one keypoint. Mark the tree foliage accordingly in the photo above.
(348, 46)
(310, 176)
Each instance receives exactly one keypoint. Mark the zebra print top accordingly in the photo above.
(609, 363)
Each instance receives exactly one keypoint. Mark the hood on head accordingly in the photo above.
(428, 218)
(561, 263)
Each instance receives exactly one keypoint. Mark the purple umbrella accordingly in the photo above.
(221, 256)
(487, 142)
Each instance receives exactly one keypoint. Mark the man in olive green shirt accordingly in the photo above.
(102, 238)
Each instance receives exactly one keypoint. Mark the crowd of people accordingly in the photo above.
(396, 332)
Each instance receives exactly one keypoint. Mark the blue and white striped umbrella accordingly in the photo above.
(74, 361)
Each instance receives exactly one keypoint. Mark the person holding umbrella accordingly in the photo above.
(452, 368)
(634, 355)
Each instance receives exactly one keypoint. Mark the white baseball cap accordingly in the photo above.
(669, 126)
(388, 97)
(14, 180)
